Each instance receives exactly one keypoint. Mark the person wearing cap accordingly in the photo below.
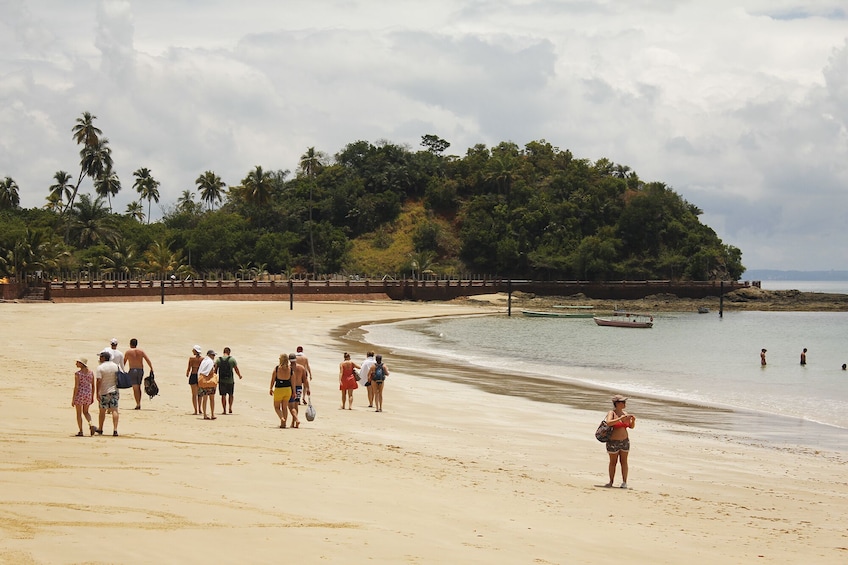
(299, 385)
(207, 382)
(83, 396)
(303, 361)
(136, 358)
(107, 391)
(365, 370)
(618, 445)
(191, 373)
(117, 356)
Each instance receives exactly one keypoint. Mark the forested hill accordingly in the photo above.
(531, 212)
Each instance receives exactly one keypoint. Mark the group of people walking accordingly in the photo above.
(373, 370)
(102, 384)
(211, 373)
(206, 374)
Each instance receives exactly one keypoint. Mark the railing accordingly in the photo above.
(406, 289)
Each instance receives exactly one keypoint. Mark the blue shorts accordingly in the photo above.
(298, 394)
(136, 376)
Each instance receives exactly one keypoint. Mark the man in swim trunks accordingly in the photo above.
(299, 384)
(226, 365)
(303, 361)
(135, 358)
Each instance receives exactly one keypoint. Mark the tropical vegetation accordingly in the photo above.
(372, 209)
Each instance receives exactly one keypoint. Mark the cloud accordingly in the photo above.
(739, 106)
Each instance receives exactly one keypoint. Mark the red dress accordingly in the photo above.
(348, 380)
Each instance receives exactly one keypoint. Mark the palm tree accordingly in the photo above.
(312, 163)
(147, 187)
(61, 191)
(54, 202)
(87, 135)
(9, 194)
(135, 210)
(122, 259)
(211, 188)
(108, 185)
(161, 260)
(258, 185)
(92, 222)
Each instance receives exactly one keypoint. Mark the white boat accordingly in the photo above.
(621, 319)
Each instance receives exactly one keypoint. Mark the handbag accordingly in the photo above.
(207, 381)
(310, 411)
(604, 432)
(123, 379)
(356, 375)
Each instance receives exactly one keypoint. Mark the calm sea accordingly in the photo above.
(691, 358)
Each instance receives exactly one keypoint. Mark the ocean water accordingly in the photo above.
(697, 359)
(832, 287)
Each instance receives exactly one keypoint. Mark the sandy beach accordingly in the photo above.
(448, 473)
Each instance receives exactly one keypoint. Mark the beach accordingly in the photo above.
(447, 473)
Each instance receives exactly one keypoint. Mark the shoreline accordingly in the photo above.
(733, 424)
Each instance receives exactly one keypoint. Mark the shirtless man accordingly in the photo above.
(135, 358)
(303, 361)
(300, 388)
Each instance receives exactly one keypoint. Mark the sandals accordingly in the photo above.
(79, 434)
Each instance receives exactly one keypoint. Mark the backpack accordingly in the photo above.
(150, 386)
(378, 372)
(225, 369)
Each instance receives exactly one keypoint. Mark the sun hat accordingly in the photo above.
(619, 398)
(196, 348)
(82, 360)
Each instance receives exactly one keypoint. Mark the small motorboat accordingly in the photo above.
(621, 319)
(703, 310)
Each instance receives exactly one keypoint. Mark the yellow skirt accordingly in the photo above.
(282, 394)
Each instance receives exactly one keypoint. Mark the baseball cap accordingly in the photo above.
(114, 341)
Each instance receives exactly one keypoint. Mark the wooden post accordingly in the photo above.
(291, 295)
(721, 300)
(509, 297)
(162, 284)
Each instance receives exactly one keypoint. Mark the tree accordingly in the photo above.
(211, 188)
(434, 143)
(161, 260)
(60, 191)
(312, 163)
(135, 210)
(9, 196)
(92, 222)
(147, 188)
(107, 186)
(258, 185)
(91, 154)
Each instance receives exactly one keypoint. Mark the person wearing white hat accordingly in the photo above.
(191, 372)
(83, 396)
(117, 356)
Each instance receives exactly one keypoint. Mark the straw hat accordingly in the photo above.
(82, 360)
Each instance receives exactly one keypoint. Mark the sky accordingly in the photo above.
(740, 106)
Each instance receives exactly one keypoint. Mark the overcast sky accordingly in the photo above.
(741, 106)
